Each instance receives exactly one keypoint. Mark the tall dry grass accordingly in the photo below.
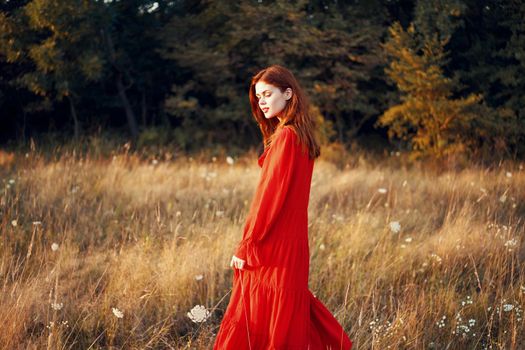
(112, 252)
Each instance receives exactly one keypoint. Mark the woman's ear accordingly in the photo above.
(288, 93)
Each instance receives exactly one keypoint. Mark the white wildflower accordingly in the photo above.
(462, 328)
(178, 213)
(395, 227)
(219, 213)
(36, 223)
(382, 190)
(11, 181)
(14, 223)
(154, 162)
(436, 257)
(214, 159)
(466, 301)
(57, 306)
(508, 307)
(199, 277)
(441, 323)
(511, 243)
(408, 239)
(508, 174)
(199, 313)
(54, 247)
(322, 246)
(117, 312)
(229, 160)
(503, 198)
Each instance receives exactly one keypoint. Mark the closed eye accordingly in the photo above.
(266, 95)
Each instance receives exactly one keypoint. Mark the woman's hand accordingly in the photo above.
(237, 263)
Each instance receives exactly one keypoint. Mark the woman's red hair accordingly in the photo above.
(294, 114)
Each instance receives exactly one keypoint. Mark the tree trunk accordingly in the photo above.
(144, 107)
(130, 116)
(76, 123)
(24, 115)
(164, 118)
(339, 126)
(356, 126)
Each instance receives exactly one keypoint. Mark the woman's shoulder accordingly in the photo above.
(289, 128)
(286, 132)
(284, 136)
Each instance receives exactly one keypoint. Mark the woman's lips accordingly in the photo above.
(265, 109)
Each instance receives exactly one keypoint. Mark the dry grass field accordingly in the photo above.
(113, 252)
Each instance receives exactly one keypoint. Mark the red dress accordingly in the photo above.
(271, 307)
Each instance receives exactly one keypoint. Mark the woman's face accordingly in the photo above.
(271, 100)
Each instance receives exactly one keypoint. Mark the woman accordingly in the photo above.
(271, 306)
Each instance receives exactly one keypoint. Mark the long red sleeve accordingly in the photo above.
(276, 177)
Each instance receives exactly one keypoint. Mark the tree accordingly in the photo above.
(59, 42)
(429, 117)
(91, 57)
(220, 45)
(485, 57)
(511, 77)
(140, 75)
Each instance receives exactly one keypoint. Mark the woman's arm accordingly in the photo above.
(276, 177)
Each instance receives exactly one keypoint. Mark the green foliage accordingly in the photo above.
(485, 54)
(512, 77)
(179, 71)
(61, 54)
(330, 49)
(59, 44)
(154, 136)
(67, 53)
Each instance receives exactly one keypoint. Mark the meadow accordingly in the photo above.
(112, 251)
